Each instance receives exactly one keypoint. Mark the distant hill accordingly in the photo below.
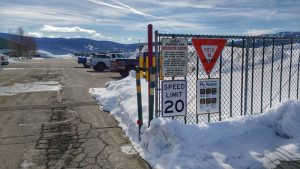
(4, 44)
(285, 34)
(61, 46)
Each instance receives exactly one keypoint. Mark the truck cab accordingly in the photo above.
(102, 61)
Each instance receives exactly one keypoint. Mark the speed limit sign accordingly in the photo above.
(174, 98)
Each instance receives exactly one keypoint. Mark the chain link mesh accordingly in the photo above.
(272, 76)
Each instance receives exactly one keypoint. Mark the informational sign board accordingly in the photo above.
(174, 54)
(209, 51)
(208, 96)
(174, 98)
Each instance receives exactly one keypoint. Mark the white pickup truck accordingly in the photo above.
(102, 61)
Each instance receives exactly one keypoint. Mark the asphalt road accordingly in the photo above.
(59, 129)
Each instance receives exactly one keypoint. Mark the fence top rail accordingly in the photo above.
(224, 36)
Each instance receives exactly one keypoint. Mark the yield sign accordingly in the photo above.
(209, 51)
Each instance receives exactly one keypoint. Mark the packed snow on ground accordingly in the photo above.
(250, 142)
(45, 54)
(13, 60)
(29, 87)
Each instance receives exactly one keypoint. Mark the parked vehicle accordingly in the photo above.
(88, 62)
(123, 66)
(102, 61)
(83, 60)
(4, 59)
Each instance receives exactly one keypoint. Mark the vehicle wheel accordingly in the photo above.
(123, 73)
(100, 67)
(86, 66)
(127, 70)
(95, 68)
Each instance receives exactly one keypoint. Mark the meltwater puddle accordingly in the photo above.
(30, 87)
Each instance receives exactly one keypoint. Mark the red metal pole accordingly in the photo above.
(150, 55)
(150, 47)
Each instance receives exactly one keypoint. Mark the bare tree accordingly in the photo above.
(31, 46)
(20, 42)
(23, 45)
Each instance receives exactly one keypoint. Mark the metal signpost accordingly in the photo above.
(174, 54)
(174, 98)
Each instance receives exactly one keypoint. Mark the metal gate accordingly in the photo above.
(256, 73)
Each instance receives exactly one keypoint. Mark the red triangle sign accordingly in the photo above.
(209, 51)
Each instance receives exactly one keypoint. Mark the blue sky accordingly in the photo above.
(126, 20)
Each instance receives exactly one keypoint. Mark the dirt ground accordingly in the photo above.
(59, 129)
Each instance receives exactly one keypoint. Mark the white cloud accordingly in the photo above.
(256, 32)
(76, 29)
(124, 8)
(35, 34)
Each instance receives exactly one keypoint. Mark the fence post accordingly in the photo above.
(150, 74)
(281, 69)
(298, 65)
(246, 76)
(290, 70)
(220, 88)
(231, 72)
(156, 72)
(139, 99)
(262, 77)
(272, 67)
(252, 76)
(242, 79)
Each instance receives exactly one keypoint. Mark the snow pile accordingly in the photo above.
(119, 97)
(243, 142)
(29, 87)
(45, 54)
(13, 60)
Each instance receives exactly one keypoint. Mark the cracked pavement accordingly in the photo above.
(64, 129)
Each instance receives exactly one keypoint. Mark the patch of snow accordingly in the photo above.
(128, 149)
(90, 47)
(13, 60)
(242, 142)
(25, 164)
(36, 58)
(29, 87)
(12, 68)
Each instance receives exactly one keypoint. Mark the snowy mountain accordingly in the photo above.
(61, 46)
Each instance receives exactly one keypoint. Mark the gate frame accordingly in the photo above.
(247, 43)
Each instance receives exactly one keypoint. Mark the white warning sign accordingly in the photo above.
(174, 54)
(208, 96)
(209, 51)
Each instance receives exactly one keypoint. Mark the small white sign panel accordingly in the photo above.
(209, 51)
(174, 53)
(208, 96)
(174, 98)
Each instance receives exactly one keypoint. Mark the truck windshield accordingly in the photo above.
(120, 56)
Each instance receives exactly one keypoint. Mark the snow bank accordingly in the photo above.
(243, 142)
(45, 54)
(29, 87)
(13, 60)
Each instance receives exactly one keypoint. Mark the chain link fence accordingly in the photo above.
(256, 73)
